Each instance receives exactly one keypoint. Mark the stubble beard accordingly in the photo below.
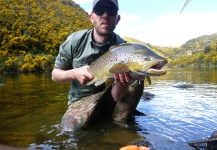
(104, 32)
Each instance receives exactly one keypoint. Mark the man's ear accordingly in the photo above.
(118, 18)
(91, 17)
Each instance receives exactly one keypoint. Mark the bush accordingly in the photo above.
(30, 63)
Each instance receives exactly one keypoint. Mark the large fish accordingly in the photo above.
(135, 58)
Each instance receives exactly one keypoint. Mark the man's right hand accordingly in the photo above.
(83, 75)
(80, 74)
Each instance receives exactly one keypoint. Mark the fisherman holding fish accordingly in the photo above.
(88, 102)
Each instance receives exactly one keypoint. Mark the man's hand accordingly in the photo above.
(83, 75)
(121, 88)
(123, 78)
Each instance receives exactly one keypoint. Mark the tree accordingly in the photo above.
(36, 28)
(206, 50)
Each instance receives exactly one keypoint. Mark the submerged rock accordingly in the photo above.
(206, 144)
(147, 96)
(184, 86)
(140, 142)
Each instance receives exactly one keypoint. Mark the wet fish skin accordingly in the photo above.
(135, 58)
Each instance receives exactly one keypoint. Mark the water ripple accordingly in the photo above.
(179, 114)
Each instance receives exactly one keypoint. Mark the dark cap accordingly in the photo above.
(113, 1)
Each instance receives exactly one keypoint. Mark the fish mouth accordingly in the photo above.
(156, 69)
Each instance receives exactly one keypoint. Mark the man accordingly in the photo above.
(79, 50)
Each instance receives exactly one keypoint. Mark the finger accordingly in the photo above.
(85, 80)
(125, 78)
(88, 75)
(128, 78)
(116, 76)
(122, 78)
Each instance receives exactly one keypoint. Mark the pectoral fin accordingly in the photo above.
(109, 82)
(148, 79)
(119, 68)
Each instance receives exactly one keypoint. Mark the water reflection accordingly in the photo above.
(192, 75)
(105, 135)
(31, 106)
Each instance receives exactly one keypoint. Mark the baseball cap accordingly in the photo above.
(114, 1)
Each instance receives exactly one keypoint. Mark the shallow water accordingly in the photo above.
(31, 106)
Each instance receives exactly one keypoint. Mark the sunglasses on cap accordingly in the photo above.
(100, 10)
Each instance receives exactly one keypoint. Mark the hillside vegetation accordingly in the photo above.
(200, 51)
(32, 30)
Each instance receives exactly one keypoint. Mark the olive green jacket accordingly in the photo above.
(79, 50)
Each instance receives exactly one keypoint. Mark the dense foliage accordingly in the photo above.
(201, 58)
(201, 51)
(32, 30)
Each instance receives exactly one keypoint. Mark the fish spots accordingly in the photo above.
(147, 59)
(124, 58)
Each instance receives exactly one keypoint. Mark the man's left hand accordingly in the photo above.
(123, 78)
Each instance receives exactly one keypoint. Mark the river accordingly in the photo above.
(31, 107)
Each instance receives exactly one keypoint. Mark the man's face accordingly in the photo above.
(105, 18)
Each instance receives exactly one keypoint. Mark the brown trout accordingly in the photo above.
(135, 58)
